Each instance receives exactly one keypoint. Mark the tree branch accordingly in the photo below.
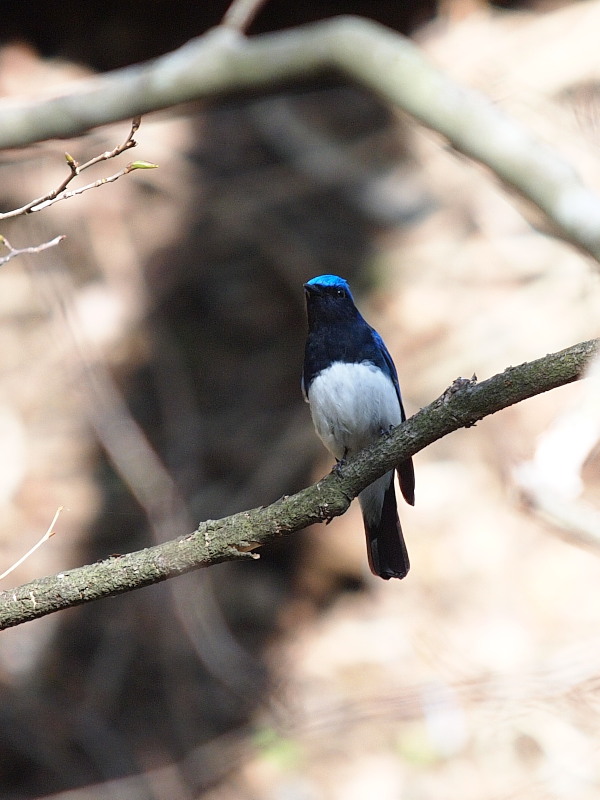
(75, 169)
(234, 537)
(223, 62)
(13, 252)
(241, 14)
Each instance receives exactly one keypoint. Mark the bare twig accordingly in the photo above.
(64, 195)
(13, 252)
(76, 169)
(50, 532)
(241, 14)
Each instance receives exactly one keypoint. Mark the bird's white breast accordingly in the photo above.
(351, 404)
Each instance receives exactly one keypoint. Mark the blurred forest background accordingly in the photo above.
(171, 321)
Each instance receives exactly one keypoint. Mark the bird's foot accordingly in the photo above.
(339, 465)
(385, 432)
(337, 469)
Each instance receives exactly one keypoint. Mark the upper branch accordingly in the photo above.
(224, 61)
(462, 405)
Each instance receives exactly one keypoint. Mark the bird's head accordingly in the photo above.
(328, 299)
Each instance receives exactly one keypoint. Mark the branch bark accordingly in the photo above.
(235, 537)
(223, 61)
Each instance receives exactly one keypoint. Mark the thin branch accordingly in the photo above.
(64, 195)
(231, 538)
(13, 252)
(223, 62)
(241, 14)
(50, 532)
(76, 169)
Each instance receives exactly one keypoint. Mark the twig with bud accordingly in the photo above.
(75, 169)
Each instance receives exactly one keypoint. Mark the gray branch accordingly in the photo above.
(223, 62)
(237, 536)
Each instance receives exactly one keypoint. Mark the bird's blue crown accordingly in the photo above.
(329, 280)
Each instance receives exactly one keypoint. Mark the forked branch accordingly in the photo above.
(75, 169)
(13, 252)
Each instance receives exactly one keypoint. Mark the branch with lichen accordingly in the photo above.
(238, 536)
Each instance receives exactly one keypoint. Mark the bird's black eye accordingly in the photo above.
(339, 292)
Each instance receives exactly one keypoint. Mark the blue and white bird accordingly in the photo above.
(351, 385)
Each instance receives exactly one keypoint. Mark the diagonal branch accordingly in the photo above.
(223, 62)
(234, 537)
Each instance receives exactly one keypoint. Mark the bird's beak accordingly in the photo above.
(311, 288)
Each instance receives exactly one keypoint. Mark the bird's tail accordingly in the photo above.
(386, 550)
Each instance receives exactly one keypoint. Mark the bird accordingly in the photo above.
(351, 385)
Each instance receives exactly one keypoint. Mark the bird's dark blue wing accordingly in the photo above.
(389, 368)
(406, 473)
